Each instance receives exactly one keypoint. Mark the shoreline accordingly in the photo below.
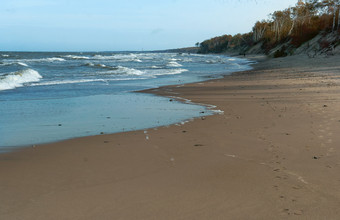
(58, 127)
(274, 147)
(15, 147)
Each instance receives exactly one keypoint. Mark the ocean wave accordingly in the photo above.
(18, 79)
(166, 72)
(67, 82)
(76, 57)
(51, 83)
(119, 57)
(101, 57)
(52, 59)
(99, 65)
(4, 55)
(174, 59)
(22, 64)
(187, 60)
(173, 64)
(13, 63)
(156, 67)
(212, 61)
(116, 70)
(122, 70)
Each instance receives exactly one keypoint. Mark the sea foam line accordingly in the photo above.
(50, 83)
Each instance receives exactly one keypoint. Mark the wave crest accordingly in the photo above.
(173, 64)
(18, 79)
(76, 57)
(122, 70)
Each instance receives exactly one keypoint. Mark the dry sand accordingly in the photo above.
(273, 154)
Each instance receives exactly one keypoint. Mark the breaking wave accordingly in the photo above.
(117, 70)
(174, 64)
(121, 70)
(76, 57)
(119, 57)
(13, 63)
(99, 65)
(166, 72)
(67, 82)
(50, 83)
(18, 79)
(52, 59)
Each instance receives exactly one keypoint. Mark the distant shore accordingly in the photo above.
(272, 154)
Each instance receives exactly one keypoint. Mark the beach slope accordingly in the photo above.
(272, 154)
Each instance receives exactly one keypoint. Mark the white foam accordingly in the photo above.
(50, 83)
(173, 64)
(4, 55)
(166, 72)
(67, 82)
(100, 57)
(14, 63)
(76, 57)
(156, 67)
(52, 59)
(102, 65)
(22, 64)
(211, 61)
(18, 79)
(173, 59)
(187, 60)
(120, 57)
(129, 71)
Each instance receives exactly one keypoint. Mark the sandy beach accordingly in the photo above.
(272, 154)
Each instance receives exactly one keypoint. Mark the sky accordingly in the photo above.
(121, 25)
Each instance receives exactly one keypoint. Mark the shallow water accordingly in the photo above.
(46, 97)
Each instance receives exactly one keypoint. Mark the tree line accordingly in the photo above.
(295, 25)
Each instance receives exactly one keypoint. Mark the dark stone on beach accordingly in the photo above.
(198, 145)
(108, 117)
(184, 131)
(106, 142)
(202, 112)
(170, 100)
(101, 132)
(203, 118)
(315, 158)
(325, 106)
(59, 125)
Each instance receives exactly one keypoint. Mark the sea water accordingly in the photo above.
(47, 97)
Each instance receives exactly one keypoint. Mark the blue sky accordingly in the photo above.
(106, 25)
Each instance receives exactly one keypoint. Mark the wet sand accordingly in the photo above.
(273, 154)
